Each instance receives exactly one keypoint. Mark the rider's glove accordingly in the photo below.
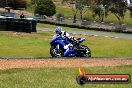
(72, 39)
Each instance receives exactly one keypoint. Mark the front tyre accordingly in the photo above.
(54, 53)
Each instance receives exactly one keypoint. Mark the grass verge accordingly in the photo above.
(38, 44)
(57, 77)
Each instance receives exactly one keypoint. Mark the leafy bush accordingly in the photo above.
(120, 28)
(15, 4)
(60, 16)
(45, 7)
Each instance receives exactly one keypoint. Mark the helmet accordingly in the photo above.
(58, 30)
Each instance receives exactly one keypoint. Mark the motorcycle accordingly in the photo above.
(65, 47)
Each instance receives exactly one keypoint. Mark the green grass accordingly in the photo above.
(66, 11)
(38, 44)
(53, 27)
(57, 77)
(24, 44)
(109, 47)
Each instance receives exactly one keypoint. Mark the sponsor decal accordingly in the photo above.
(84, 78)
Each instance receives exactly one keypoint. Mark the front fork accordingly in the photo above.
(57, 49)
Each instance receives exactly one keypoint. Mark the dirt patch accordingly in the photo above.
(39, 63)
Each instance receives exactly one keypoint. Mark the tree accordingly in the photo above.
(82, 5)
(45, 7)
(74, 8)
(77, 6)
(15, 4)
(99, 11)
(118, 8)
(100, 8)
(34, 2)
(130, 9)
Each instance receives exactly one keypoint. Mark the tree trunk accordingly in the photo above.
(130, 14)
(120, 22)
(74, 18)
(102, 20)
(81, 16)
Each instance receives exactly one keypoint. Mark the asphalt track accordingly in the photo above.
(94, 33)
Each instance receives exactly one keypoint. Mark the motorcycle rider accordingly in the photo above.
(69, 41)
(66, 36)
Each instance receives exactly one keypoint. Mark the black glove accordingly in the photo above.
(73, 40)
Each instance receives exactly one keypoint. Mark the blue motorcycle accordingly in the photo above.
(66, 47)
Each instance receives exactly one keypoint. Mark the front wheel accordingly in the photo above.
(87, 51)
(56, 53)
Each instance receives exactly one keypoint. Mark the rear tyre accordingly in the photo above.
(87, 51)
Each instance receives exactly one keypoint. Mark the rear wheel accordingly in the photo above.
(87, 51)
(55, 53)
